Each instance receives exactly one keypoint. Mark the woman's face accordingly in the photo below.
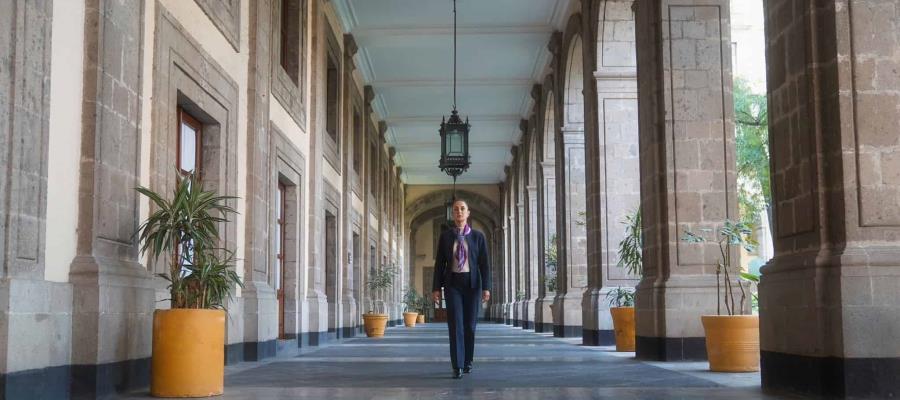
(460, 212)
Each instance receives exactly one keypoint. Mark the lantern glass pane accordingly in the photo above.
(455, 143)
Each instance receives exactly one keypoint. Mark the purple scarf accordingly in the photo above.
(461, 253)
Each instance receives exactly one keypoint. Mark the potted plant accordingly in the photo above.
(189, 338)
(422, 308)
(629, 259)
(379, 280)
(732, 339)
(411, 303)
(621, 306)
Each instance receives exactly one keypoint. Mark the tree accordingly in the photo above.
(752, 143)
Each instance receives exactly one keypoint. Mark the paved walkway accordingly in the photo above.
(510, 363)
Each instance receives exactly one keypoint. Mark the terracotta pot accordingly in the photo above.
(732, 342)
(420, 319)
(374, 324)
(623, 324)
(409, 319)
(188, 353)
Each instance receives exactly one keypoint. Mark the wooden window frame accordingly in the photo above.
(185, 117)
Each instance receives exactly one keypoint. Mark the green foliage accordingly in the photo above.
(630, 247)
(752, 279)
(185, 230)
(550, 264)
(520, 295)
(752, 145)
(620, 297)
(378, 281)
(413, 301)
(730, 234)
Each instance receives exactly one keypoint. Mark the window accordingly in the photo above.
(291, 38)
(190, 134)
(331, 100)
(372, 169)
(357, 141)
(279, 255)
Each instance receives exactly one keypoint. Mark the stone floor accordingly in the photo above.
(510, 363)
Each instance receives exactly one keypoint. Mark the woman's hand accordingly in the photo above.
(436, 296)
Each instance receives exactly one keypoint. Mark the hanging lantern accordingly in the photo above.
(454, 145)
(454, 132)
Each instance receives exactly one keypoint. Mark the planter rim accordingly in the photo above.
(188, 310)
(612, 308)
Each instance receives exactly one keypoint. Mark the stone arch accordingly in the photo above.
(571, 196)
(545, 142)
(433, 206)
(477, 203)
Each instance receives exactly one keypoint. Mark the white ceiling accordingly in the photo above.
(405, 53)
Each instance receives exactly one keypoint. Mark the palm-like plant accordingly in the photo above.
(185, 229)
(630, 246)
(380, 279)
(620, 297)
(731, 234)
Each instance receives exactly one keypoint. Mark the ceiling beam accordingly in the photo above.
(430, 30)
(486, 82)
(409, 119)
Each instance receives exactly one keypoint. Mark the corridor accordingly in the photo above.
(510, 363)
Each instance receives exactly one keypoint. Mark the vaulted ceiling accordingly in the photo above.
(405, 54)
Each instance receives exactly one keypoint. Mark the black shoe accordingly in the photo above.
(457, 374)
(467, 368)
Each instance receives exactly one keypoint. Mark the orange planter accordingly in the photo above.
(374, 324)
(623, 323)
(732, 342)
(420, 319)
(188, 353)
(409, 319)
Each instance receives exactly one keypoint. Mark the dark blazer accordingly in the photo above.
(479, 260)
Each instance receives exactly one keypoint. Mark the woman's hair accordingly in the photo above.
(461, 201)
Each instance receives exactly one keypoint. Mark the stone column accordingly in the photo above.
(829, 309)
(544, 323)
(349, 312)
(522, 258)
(572, 268)
(533, 259)
(35, 314)
(113, 293)
(687, 168)
(611, 126)
(260, 304)
(315, 293)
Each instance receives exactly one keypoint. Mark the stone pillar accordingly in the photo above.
(572, 268)
(522, 258)
(113, 293)
(534, 261)
(350, 314)
(687, 168)
(260, 304)
(611, 130)
(544, 322)
(35, 315)
(829, 309)
(315, 294)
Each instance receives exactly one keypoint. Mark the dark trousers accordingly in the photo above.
(463, 305)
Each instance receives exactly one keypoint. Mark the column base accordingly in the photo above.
(830, 376)
(594, 337)
(543, 327)
(567, 331)
(670, 349)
